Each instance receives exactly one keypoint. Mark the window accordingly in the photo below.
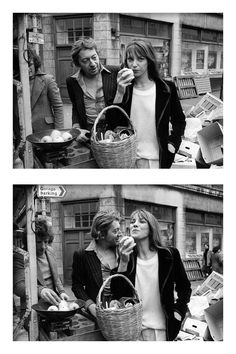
(186, 64)
(191, 244)
(80, 215)
(209, 36)
(159, 29)
(68, 30)
(132, 25)
(204, 240)
(221, 60)
(190, 33)
(212, 60)
(149, 28)
(200, 59)
(194, 217)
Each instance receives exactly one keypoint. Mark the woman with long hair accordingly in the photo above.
(156, 273)
(151, 103)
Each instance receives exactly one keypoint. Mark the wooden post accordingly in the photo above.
(24, 75)
(32, 270)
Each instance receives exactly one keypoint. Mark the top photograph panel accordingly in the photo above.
(118, 90)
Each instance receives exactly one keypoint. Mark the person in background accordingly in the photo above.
(49, 284)
(157, 272)
(206, 260)
(91, 88)
(93, 265)
(216, 259)
(152, 104)
(46, 104)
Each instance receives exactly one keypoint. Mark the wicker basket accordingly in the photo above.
(122, 324)
(117, 154)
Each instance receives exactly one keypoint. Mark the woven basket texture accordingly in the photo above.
(118, 154)
(120, 324)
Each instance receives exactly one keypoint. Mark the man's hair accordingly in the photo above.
(102, 222)
(43, 230)
(33, 56)
(83, 43)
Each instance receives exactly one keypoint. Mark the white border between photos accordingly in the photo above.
(220, 176)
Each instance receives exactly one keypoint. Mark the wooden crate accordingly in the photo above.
(203, 84)
(186, 87)
(193, 269)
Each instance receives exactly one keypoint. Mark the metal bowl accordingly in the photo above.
(35, 139)
(42, 309)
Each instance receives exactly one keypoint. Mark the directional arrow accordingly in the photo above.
(50, 191)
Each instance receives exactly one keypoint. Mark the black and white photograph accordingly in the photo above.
(118, 262)
(118, 90)
(100, 251)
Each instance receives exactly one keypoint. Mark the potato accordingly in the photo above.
(46, 139)
(66, 136)
(55, 134)
(52, 308)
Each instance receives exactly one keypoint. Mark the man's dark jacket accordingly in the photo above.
(77, 97)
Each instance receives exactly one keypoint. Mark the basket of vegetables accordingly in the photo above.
(114, 150)
(119, 320)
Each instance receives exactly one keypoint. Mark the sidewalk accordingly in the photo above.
(186, 105)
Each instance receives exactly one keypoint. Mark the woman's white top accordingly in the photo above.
(147, 286)
(142, 116)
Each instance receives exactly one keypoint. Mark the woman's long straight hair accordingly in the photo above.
(143, 48)
(154, 233)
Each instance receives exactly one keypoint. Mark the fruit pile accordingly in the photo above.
(56, 137)
(64, 306)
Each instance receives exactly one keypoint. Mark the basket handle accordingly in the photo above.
(107, 280)
(102, 112)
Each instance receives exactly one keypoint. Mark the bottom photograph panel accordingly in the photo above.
(118, 262)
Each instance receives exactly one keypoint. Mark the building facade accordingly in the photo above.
(185, 43)
(189, 215)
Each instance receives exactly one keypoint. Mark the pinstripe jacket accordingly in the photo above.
(87, 275)
(76, 95)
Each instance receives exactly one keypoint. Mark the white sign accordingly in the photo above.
(35, 37)
(48, 191)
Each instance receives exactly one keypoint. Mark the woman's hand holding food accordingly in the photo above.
(125, 248)
(124, 78)
(50, 296)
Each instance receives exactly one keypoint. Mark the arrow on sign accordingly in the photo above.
(48, 191)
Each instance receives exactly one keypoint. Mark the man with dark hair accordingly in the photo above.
(91, 88)
(50, 287)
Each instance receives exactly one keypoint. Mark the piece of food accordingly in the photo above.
(115, 304)
(66, 136)
(73, 306)
(58, 139)
(63, 306)
(53, 308)
(55, 134)
(46, 139)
